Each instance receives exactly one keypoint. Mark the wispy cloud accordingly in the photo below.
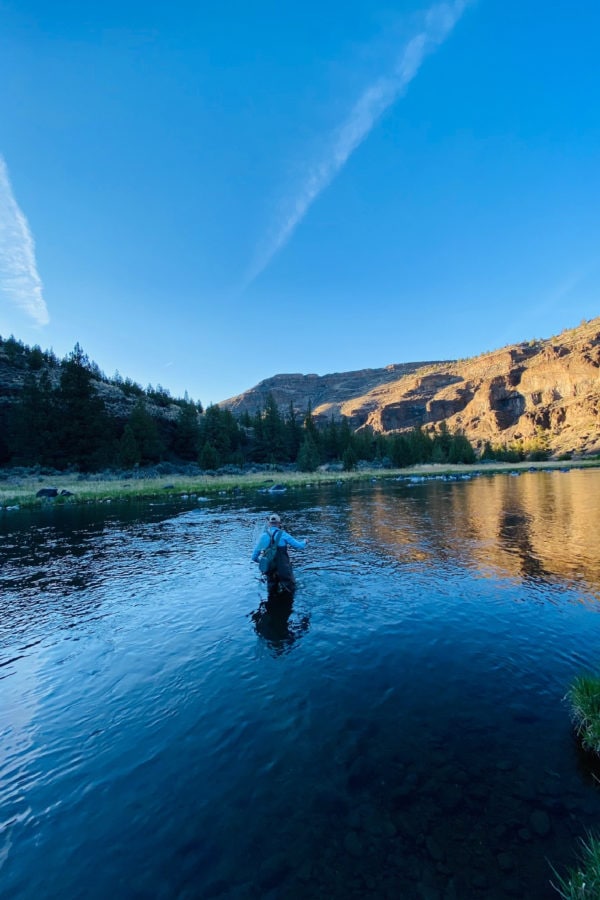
(573, 291)
(20, 283)
(435, 26)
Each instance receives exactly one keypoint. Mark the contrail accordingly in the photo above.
(20, 283)
(437, 24)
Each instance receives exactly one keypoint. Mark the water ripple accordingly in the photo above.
(395, 730)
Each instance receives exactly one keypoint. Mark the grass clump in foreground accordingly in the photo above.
(583, 882)
(584, 697)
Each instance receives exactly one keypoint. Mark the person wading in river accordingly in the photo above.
(280, 577)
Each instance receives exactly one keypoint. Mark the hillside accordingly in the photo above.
(19, 362)
(544, 389)
(550, 385)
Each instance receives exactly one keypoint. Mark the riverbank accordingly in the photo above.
(19, 488)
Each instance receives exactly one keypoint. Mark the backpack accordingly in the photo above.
(267, 561)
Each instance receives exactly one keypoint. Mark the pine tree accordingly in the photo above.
(128, 449)
(187, 433)
(308, 455)
(273, 429)
(293, 434)
(364, 443)
(421, 446)
(460, 450)
(5, 429)
(487, 452)
(345, 436)
(438, 454)
(260, 450)
(349, 459)
(441, 444)
(216, 430)
(145, 432)
(82, 427)
(208, 458)
(330, 441)
(400, 452)
(33, 439)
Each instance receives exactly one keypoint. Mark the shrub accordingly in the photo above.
(539, 455)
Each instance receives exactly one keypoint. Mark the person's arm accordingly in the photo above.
(297, 545)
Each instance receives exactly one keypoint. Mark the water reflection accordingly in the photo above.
(515, 537)
(540, 526)
(272, 623)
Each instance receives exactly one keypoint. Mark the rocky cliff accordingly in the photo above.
(549, 386)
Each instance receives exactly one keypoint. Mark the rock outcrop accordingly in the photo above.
(549, 387)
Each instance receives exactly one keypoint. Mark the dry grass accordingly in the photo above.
(17, 489)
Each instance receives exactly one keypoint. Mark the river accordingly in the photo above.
(400, 730)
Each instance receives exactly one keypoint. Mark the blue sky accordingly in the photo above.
(204, 195)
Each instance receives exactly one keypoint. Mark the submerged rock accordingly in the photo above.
(353, 844)
(539, 822)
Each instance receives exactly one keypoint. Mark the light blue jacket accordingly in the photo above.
(285, 540)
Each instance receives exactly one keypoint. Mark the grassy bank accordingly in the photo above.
(18, 489)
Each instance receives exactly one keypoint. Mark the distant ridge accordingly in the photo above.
(549, 387)
(319, 390)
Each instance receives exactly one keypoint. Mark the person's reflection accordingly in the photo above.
(272, 622)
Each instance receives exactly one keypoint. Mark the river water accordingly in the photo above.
(399, 731)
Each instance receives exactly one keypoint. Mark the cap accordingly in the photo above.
(274, 519)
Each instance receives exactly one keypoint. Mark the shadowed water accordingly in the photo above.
(399, 730)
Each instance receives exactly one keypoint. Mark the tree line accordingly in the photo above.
(59, 420)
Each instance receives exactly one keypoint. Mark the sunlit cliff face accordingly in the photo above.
(502, 396)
